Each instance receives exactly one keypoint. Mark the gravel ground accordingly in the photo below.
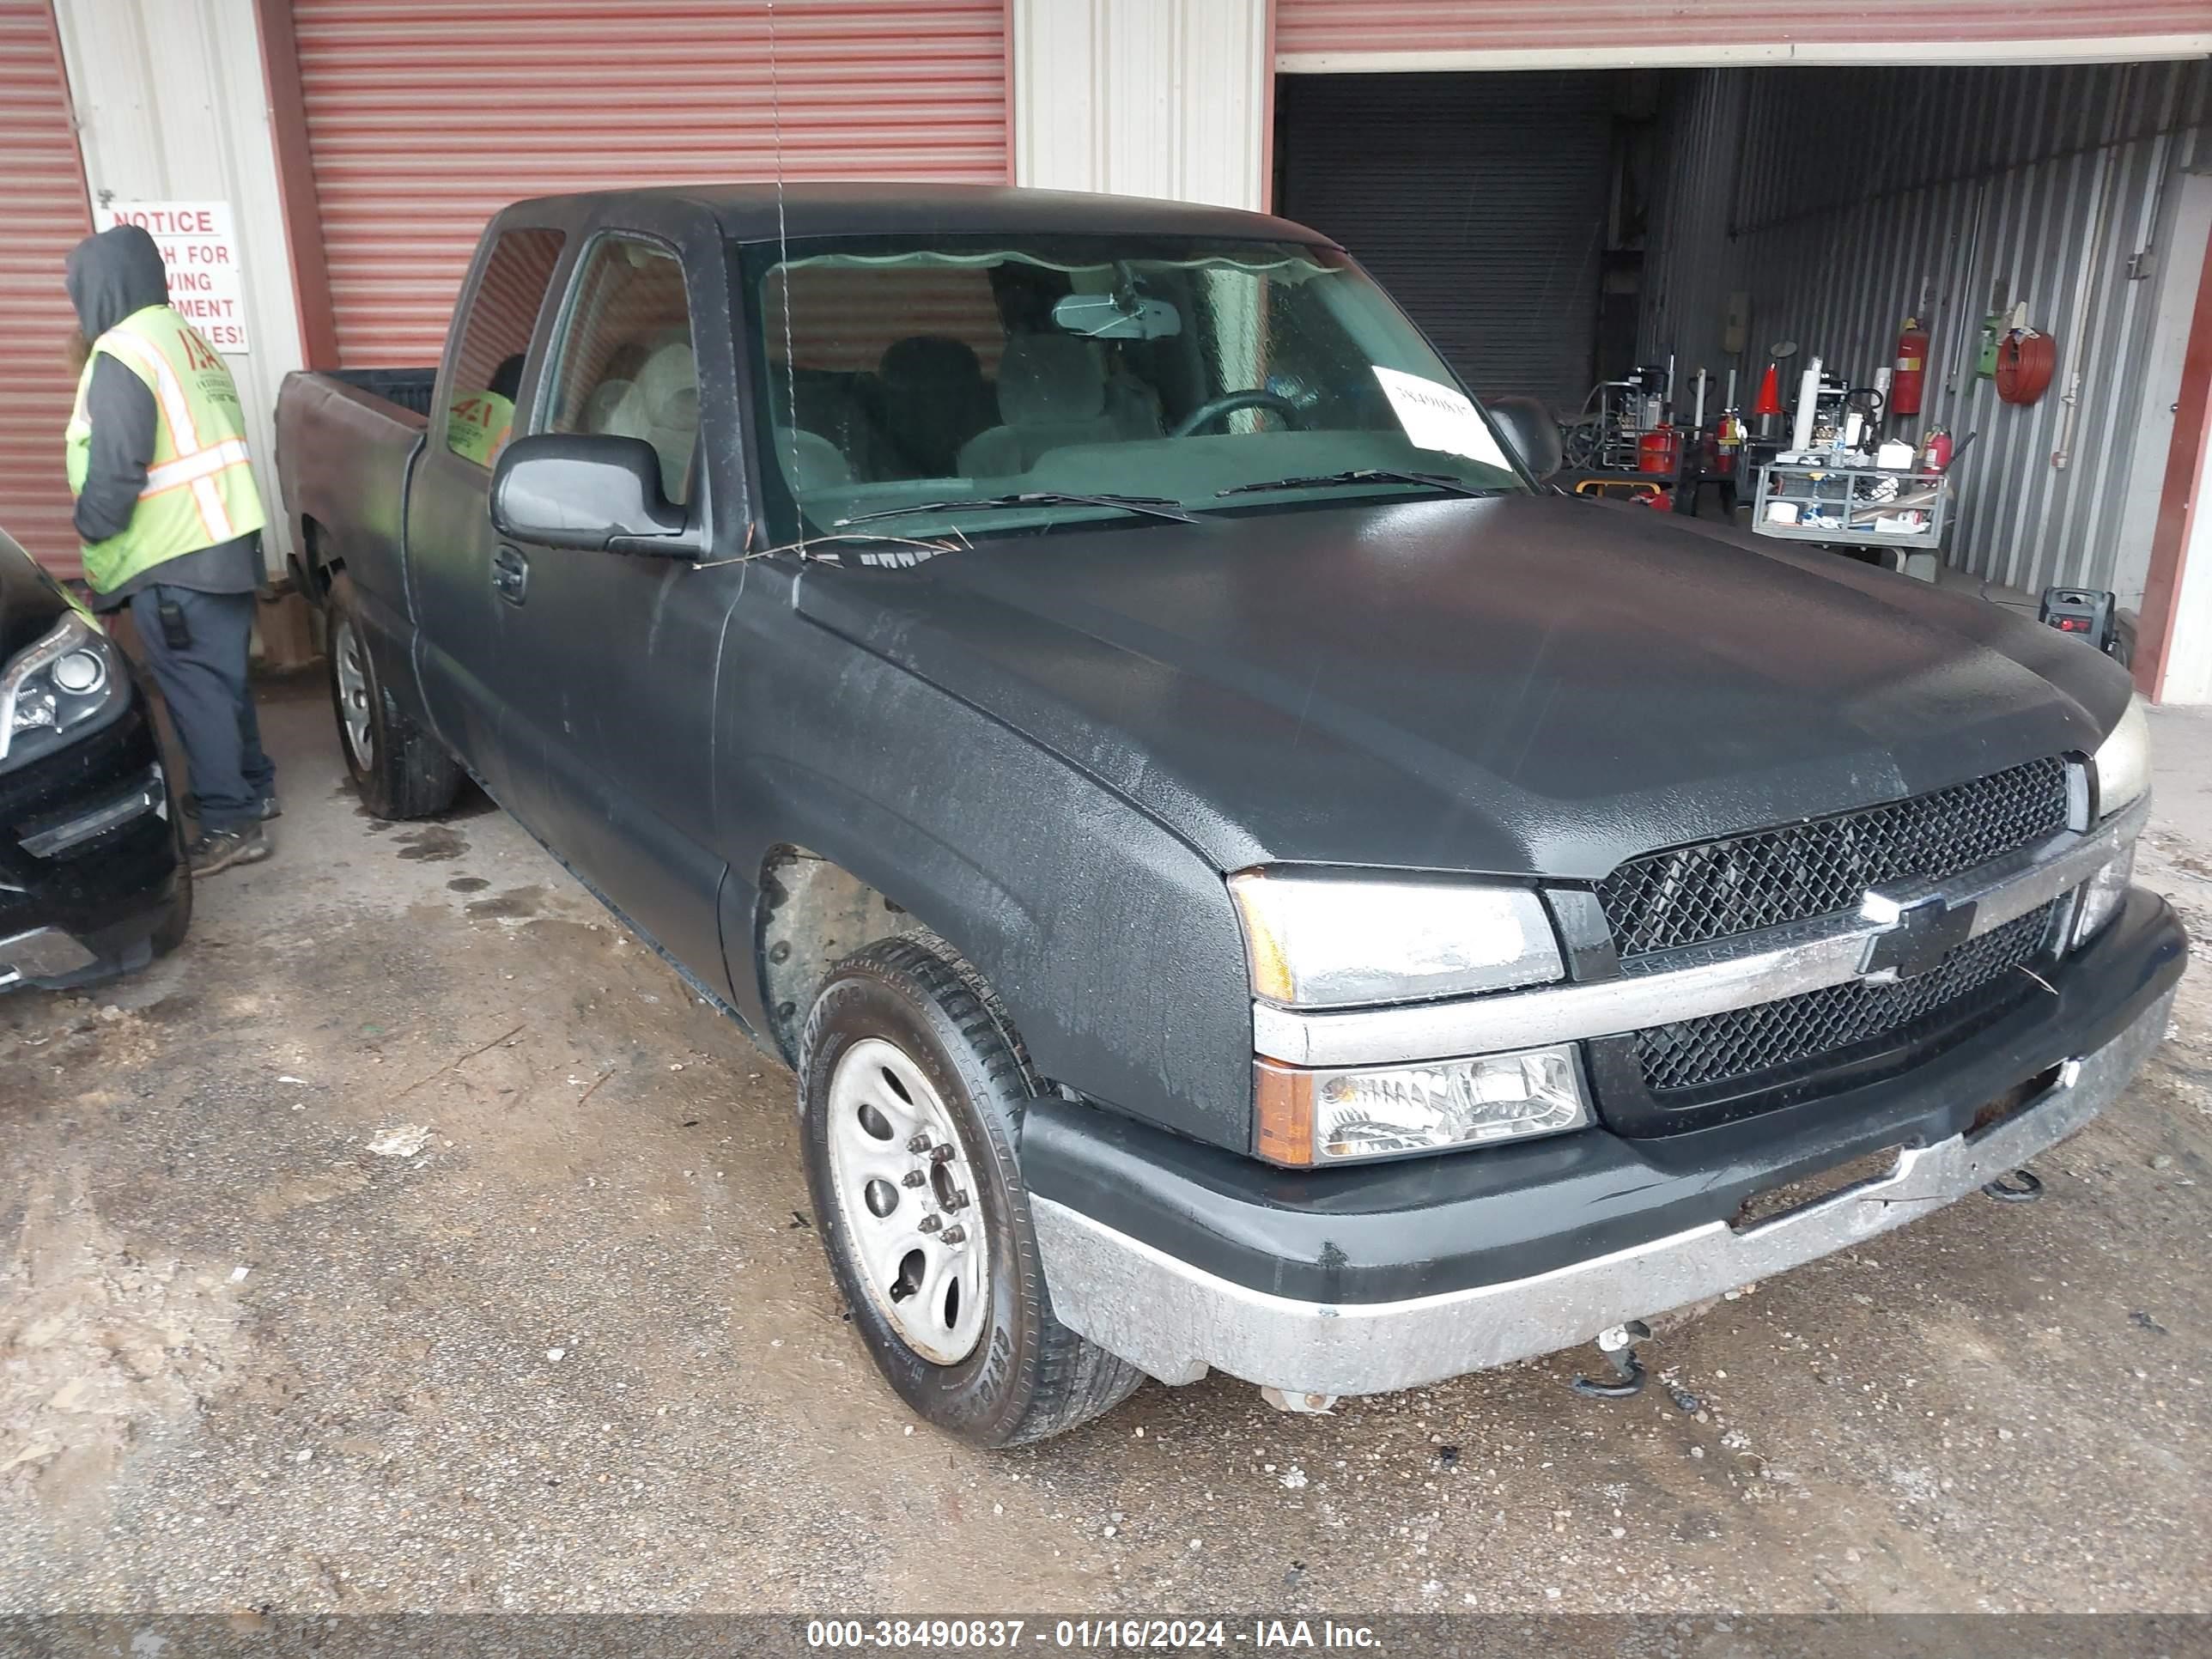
(412, 1240)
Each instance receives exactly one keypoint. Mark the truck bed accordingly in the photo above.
(345, 439)
(409, 388)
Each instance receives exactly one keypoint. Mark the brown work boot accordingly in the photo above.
(218, 849)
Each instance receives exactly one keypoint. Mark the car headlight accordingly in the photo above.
(2121, 763)
(1307, 1117)
(64, 679)
(1317, 940)
(2102, 894)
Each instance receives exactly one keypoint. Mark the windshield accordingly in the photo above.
(921, 383)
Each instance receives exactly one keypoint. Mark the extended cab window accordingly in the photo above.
(905, 373)
(625, 363)
(488, 372)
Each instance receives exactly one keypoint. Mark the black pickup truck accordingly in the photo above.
(1247, 876)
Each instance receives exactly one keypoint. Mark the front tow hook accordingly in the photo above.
(1618, 1345)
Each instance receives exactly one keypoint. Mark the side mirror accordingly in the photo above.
(1529, 428)
(594, 492)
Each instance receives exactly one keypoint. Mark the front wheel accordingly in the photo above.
(399, 769)
(913, 1089)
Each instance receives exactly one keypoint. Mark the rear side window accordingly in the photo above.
(624, 364)
(480, 411)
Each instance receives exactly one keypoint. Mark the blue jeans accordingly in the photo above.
(203, 683)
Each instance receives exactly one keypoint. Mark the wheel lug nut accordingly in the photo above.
(912, 1178)
(957, 1202)
(955, 1235)
(930, 1224)
(940, 1154)
(918, 1143)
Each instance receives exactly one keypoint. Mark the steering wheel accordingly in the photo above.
(1229, 402)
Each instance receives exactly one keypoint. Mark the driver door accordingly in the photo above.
(612, 655)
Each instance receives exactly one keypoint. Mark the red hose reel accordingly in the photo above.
(2026, 360)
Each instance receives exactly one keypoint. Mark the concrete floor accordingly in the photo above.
(412, 1240)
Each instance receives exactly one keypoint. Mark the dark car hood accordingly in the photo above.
(30, 603)
(1525, 685)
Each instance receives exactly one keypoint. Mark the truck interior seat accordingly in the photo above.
(934, 399)
(661, 406)
(809, 460)
(1051, 393)
(606, 410)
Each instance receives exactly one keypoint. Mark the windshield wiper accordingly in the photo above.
(1157, 507)
(1365, 475)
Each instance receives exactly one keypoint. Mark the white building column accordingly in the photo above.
(172, 106)
(1169, 98)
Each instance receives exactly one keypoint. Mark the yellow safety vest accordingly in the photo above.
(477, 426)
(199, 490)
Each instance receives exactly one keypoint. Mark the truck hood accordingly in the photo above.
(30, 603)
(1528, 686)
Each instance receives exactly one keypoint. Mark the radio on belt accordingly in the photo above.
(2087, 611)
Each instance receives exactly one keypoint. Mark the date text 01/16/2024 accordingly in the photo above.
(928, 1635)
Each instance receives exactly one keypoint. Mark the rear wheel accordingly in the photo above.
(400, 769)
(913, 1086)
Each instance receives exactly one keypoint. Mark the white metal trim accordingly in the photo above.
(2087, 49)
(1762, 967)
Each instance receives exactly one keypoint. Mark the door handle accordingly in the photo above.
(510, 574)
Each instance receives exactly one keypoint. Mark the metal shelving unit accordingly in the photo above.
(1850, 505)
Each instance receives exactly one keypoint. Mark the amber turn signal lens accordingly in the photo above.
(1283, 1120)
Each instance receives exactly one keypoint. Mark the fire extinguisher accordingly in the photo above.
(1911, 369)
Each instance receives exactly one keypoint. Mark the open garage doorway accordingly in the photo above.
(1555, 230)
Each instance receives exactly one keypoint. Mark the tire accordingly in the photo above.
(908, 1009)
(170, 933)
(400, 769)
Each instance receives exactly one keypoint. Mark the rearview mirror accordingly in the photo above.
(592, 491)
(1114, 316)
(1529, 428)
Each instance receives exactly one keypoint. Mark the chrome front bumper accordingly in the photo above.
(1175, 1321)
(42, 953)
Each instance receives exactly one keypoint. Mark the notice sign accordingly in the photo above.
(201, 253)
(1440, 417)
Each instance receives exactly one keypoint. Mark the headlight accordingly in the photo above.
(2101, 896)
(1329, 941)
(62, 681)
(2122, 763)
(1330, 1116)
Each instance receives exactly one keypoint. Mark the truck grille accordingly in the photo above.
(1746, 1050)
(1721, 888)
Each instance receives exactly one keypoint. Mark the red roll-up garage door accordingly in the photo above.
(425, 116)
(47, 213)
(1333, 36)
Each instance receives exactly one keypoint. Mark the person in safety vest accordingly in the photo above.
(479, 424)
(171, 524)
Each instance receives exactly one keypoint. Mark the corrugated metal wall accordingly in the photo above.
(1480, 201)
(426, 116)
(1842, 200)
(1144, 98)
(47, 213)
(1349, 34)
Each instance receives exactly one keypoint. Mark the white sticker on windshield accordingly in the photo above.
(1435, 416)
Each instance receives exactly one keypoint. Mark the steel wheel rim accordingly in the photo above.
(352, 663)
(907, 1195)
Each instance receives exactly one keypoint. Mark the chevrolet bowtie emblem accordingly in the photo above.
(1913, 937)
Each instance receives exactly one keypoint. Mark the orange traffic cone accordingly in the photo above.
(1769, 393)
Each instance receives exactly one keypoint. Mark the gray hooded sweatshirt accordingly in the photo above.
(110, 275)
